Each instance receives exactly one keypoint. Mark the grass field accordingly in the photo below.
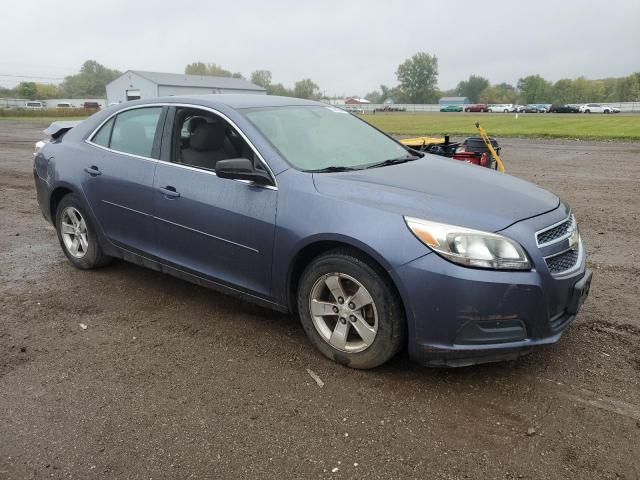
(584, 127)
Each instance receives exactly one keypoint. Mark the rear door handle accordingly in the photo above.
(93, 170)
(169, 191)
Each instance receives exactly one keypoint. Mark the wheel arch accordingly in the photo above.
(313, 249)
(57, 194)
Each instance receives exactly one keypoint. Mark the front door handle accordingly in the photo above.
(93, 171)
(169, 192)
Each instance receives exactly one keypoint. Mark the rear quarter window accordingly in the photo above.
(103, 136)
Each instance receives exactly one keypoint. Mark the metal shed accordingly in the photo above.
(135, 84)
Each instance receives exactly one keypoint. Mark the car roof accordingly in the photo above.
(235, 101)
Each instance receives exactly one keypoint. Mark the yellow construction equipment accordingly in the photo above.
(487, 142)
(442, 146)
(421, 142)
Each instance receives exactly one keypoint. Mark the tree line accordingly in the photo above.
(89, 82)
(417, 79)
(530, 89)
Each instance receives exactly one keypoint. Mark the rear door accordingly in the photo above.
(118, 176)
(218, 228)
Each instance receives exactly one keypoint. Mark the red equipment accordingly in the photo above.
(476, 158)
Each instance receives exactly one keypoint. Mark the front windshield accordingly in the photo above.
(318, 137)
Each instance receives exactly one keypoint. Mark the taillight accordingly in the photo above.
(38, 147)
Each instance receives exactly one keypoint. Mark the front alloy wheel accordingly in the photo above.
(350, 309)
(343, 312)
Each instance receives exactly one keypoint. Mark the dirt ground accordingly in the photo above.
(170, 380)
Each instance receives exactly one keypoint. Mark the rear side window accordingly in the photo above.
(131, 132)
(103, 135)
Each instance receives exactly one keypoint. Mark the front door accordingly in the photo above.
(218, 228)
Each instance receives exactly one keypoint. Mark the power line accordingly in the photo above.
(40, 77)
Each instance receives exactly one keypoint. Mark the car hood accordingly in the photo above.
(443, 190)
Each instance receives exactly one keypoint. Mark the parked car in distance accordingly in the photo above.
(64, 105)
(390, 108)
(354, 109)
(301, 207)
(451, 108)
(542, 107)
(500, 108)
(595, 108)
(532, 109)
(31, 105)
(562, 108)
(91, 105)
(476, 107)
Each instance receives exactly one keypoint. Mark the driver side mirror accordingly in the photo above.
(241, 169)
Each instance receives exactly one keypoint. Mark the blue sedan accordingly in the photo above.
(305, 208)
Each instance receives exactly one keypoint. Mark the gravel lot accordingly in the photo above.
(170, 380)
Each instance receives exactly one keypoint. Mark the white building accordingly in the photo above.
(135, 84)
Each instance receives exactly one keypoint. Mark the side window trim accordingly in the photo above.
(167, 135)
(157, 139)
(168, 144)
(169, 120)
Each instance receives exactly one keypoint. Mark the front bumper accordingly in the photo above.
(461, 316)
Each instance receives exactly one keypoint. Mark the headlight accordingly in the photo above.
(471, 248)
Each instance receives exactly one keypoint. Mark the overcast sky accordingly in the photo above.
(346, 47)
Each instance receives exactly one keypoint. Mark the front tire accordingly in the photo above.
(77, 235)
(350, 311)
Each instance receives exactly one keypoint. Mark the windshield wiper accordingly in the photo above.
(393, 161)
(333, 168)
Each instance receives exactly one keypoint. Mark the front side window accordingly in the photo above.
(201, 139)
(131, 132)
(318, 137)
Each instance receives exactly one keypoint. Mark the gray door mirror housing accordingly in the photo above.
(242, 169)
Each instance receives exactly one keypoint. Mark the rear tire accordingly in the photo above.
(350, 311)
(77, 234)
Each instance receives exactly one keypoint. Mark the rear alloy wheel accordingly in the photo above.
(74, 232)
(77, 235)
(349, 311)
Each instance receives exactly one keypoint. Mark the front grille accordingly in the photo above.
(563, 261)
(559, 231)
